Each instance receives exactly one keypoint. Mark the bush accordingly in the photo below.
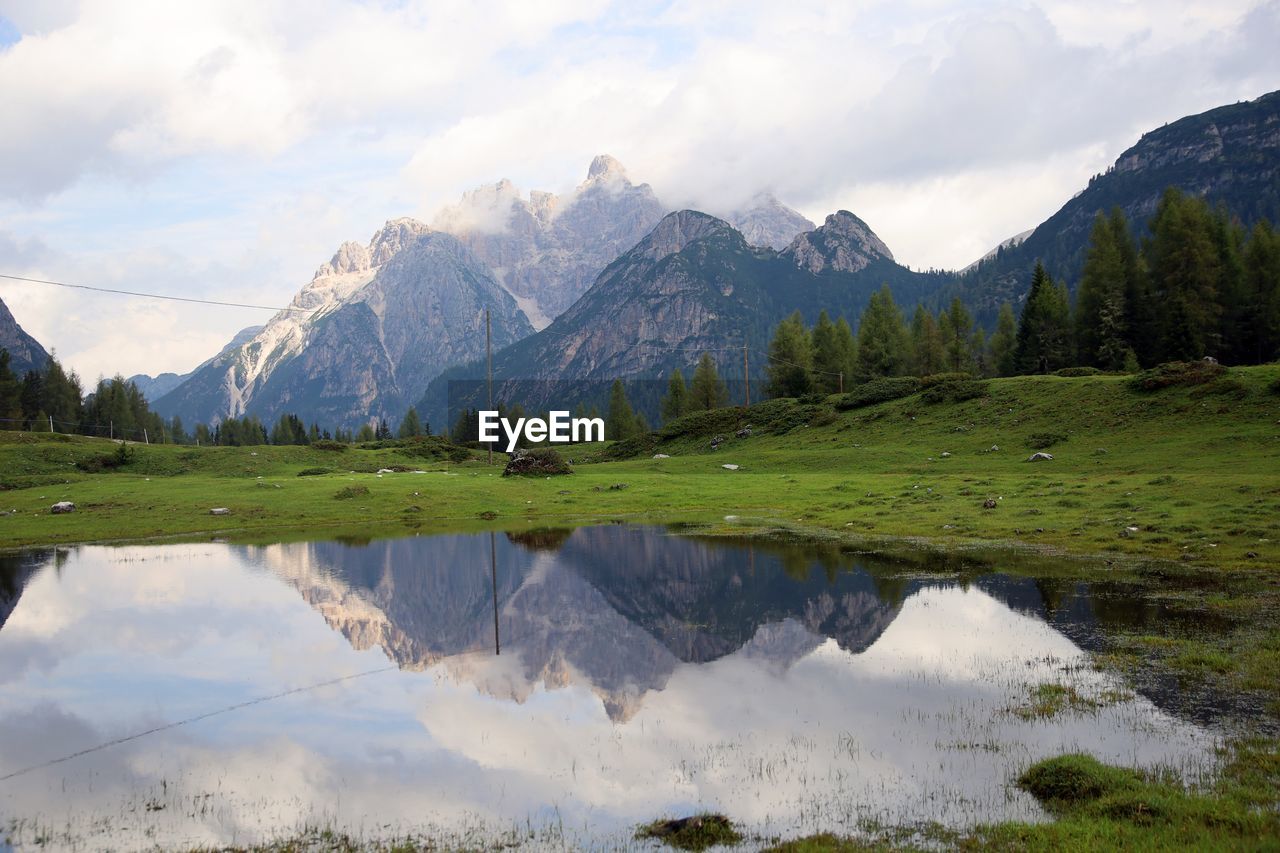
(1043, 440)
(326, 444)
(1177, 373)
(878, 391)
(314, 472)
(954, 391)
(538, 462)
(123, 455)
(349, 492)
(939, 378)
(1274, 387)
(1077, 371)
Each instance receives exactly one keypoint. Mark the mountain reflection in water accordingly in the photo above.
(641, 673)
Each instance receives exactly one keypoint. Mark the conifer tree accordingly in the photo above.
(1044, 331)
(958, 330)
(828, 361)
(926, 343)
(707, 390)
(1262, 292)
(411, 425)
(676, 402)
(1100, 325)
(10, 394)
(621, 420)
(1003, 341)
(790, 359)
(883, 345)
(1185, 273)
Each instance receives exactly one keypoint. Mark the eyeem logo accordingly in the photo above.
(560, 429)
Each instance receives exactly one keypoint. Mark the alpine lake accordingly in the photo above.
(551, 688)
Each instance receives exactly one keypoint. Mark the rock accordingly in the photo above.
(730, 467)
(661, 456)
(617, 487)
(1040, 457)
(1252, 555)
(219, 510)
(945, 454)
(61, 507)
(989, 503)
(995, 448)
(385, 471)
(745, 432)
(717, 441)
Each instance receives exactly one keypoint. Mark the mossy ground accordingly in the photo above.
(1177, 491)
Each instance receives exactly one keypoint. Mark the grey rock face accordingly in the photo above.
(765, 221)
(844, 243)
(25, 352)
(546, 250)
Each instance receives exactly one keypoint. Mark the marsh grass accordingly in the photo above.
(692, 833)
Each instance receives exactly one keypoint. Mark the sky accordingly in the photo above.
(223, 150)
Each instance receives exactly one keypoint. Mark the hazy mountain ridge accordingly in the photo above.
(25, 352)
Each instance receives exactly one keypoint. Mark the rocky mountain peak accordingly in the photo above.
(677, 230)
(350, 257)
(843, 243)
(25, 352)
(394, 236)
(606, 168)
(765, 221)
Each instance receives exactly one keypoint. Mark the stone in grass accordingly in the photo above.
(729, 467)
(61, 507)
(661, 456)
(692, 833)
(989, 503)
(1040, 457)
(219, 510)
(539, 462)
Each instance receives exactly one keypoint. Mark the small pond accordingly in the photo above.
(550, 688)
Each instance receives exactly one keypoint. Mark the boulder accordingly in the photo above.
(1040, 457)
(219, 510)
(717, 441)
(61, 507)
(989, 503)
(745, 432)
(730, 467)
(661, 456)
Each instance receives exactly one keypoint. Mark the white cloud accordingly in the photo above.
(221, 149)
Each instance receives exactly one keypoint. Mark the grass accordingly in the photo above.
(692, 833)
(1045, 701)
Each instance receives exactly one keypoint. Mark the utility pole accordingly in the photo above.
(746, 377)
(488, 353)
(50, 423)
(144, 436)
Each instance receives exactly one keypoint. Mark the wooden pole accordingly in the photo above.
(493, 571)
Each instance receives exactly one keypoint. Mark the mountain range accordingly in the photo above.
(607, 282)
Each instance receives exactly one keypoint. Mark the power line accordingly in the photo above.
(147, 295)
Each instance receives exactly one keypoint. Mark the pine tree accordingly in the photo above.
(621, 420)
(1185, 273)
(883, 345)
(1044, 331)
(676, 402)
(707, 391)
(1003, 341)
(927, 354)
(790, 359)
(847, 347)
(956, 338)
(1262, 292)
(10, 394)
(177, 433)
(366, 433)
(1101, 341)
(827, 360)
(411, 426)
(1140, 328)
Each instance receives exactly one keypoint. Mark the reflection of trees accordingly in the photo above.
(541, 538)
(16, 570)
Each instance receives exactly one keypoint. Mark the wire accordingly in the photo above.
(148, 295)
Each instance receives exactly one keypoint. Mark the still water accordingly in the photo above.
(552, 688)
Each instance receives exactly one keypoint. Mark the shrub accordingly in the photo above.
(1177, 373)
(954, 391)
(1077, 371)
(1274, 387)
(878, 391)
(538, 462)
(939, 378)
(326, 444)
(119, 458)
(314, 472)
(1043, 440)
(348, 492)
